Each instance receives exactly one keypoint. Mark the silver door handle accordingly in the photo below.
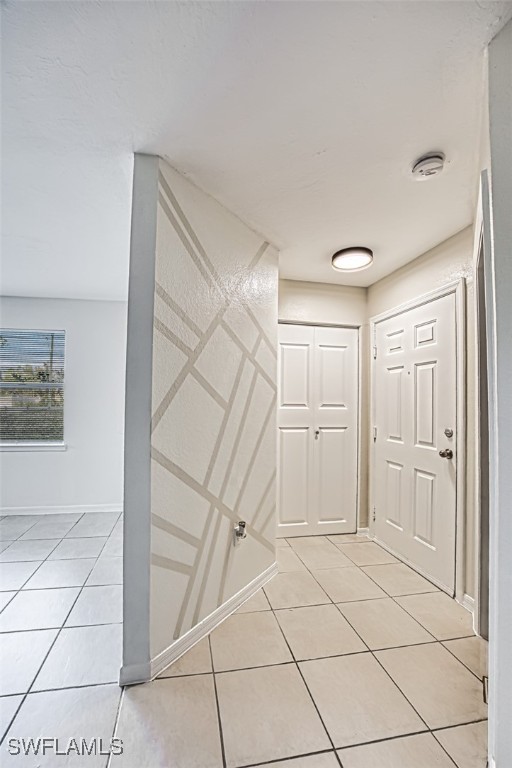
(447, 453)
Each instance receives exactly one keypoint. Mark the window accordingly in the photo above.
(31, 387)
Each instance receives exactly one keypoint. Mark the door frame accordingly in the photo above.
(458, 288)
(360, 384)
(482, 282)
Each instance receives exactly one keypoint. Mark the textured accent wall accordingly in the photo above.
(213, 457)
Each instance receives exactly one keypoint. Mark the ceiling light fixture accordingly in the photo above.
(352, 259)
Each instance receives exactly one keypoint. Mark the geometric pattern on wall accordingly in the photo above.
(213, 408)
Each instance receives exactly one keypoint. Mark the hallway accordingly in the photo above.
(347, 657)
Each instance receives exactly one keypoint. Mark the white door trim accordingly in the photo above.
(360, 384)
(457, 288)
(318, 325)
(478, 245)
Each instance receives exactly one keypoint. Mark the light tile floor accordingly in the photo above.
(346, 658)
(60, 630)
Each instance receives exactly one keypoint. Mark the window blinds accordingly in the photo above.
(31, 386)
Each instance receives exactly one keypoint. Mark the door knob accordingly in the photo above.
(317, 432)
(447, 453)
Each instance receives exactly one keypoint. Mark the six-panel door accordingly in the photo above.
(415, 417)
(317, 430)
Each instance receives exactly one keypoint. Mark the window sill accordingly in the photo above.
(26, 446)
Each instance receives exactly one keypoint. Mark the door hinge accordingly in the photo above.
(375, 352)
(375, 434)
(374, 514)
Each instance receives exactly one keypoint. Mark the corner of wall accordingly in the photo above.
(200, 449)
(137, 472)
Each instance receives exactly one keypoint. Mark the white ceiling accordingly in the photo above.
(303, 118)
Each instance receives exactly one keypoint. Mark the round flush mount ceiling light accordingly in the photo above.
(428, 165)
(352, 259)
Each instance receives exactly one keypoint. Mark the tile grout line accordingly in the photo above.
(42, 519)
(66, 586)
(439, 640)
(400, 690)
(116, 723)
(46, 559)
(56, 560)
(16, 538)
(284, 663)
(434, 591)
(460, 725)
(25, 695)
(287, 759)
(337, 605)
(59, 630)
(66, 687)
(41, 562)
(393, 597)
(369, 649)
(70, 626)
(306, 685)
(75, 586)
(373, 653)
(60, 538)
(366, 743)
(15, 592)
(480, 679)
(445, 751)
(219, 719)
(435, 640)
(29, 689)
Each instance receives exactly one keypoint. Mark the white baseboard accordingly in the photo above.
(363, 532)
(468, 603)
(78, 509)
(173, 652)
(412, 565)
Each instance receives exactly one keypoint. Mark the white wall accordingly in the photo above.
(446, 263)
(76, 242)
(89, 474)
(204, 303)
(321, 303)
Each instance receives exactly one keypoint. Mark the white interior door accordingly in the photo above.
(415, 419)
(317, 430)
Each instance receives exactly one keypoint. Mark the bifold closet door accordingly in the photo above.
(317, 430)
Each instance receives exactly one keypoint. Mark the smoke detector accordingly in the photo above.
(428, 165)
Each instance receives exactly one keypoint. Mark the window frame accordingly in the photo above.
(33, 446)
